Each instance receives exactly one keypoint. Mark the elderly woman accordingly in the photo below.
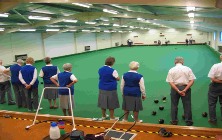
(132, 87)
(108, 98)
(46, 72)
(65, 79)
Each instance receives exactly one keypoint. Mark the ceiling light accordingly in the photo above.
(83, 5)
(110, 11)
(124, 26)
(72, 30)
(73, 21)
(192, 22)
(190, 9)
(140, 19)
(39, 18)
(113, 31)
(130, 31)
(105, 20)
(4, 15)
(90, 22)
(191, 15)
(27, 30)
(115, 5)
(85, 30)
(106, 24)
(120, 31)
(116, 25)
(2, 29)
(106, 31)
(131, 27)
(52, 30)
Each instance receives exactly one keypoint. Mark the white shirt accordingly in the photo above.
(180, 75)
(3, 77)
(72, 77)
(41, 74)
(216, 71)
(141, 83)
(115, 73)
(33, 79)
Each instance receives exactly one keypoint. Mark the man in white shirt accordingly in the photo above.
(215, 90)
(5, 86)
(180, 78)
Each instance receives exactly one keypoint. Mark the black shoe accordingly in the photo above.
(183, 117)
(189, 123)
(174, 122)
(3, 102)
(11, 103)
(212, 122)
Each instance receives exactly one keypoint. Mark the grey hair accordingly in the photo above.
(67, 67)
(20, 61)
(134, 65)
(179, 59)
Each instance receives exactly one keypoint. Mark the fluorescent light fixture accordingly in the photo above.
(115, 5)
(124, 26)
(4, 15)
(191, 15)
(113, 31)
(69, 20)
(85, 30)
(106, 31)
(132, 27)
(116, 25)
(83, 5)
(72, 30)
(27, 30)
(130, 31)
(140, 19)
(106, 24)
(39, 18)
(147, 21)
(192, 22)
(90, 22)
(52, 30)
(120, 31)
(110, 11)
(190, 9)
(2, 29)
(105, 20)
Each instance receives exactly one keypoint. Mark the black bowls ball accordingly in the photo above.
(164, 98)
(204, 114)
(156, 101)
(161, 108)
(161, 121)
(154, 113)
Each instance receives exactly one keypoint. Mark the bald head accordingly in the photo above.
(179, 59)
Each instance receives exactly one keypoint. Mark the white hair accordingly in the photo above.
(20, 61)
(67, 67)
(179, 59)
(134, 65)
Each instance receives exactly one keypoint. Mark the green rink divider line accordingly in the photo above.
(88, 126)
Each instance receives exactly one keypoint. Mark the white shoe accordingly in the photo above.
(116, 118)
(139, 121)
(107, 116)
(123, 120)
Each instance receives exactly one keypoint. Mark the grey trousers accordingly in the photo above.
(19, 95)
(31, 96)
(186, 100)
(5, 87)
(214, 93)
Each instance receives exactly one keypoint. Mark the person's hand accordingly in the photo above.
(28, 86)
(57, 85)
(143, 97)
(68, 86)
(182, 93)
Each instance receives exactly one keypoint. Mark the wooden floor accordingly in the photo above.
(13, 128)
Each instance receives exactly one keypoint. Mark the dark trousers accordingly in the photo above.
(214, 93)
(5, 87)
(19, 95)
(186, 100)
(31, 96)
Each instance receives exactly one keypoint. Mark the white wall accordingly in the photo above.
(103, 40)
(116, 38)
(60, 45)
(174, 35)
(85, 39)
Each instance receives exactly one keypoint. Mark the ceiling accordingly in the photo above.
(128, 15)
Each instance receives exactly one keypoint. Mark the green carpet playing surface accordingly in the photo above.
(155, 63)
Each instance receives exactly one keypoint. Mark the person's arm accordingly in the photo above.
(176, 89)
(74, 80)
(188, 85)
(54, 80)
(122, 85)
(7, 71)
(58, 71)
(33, 79)
(216, 80)
(116, 75)
(142, 88)
(41, 74)
(22, 80)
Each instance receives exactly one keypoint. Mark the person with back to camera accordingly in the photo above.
(46, 73)
(16, 83)
(108, 98)
(180, 78)
(65, 79)
(133, 89)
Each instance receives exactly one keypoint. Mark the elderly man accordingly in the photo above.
(180, 78)
(28, 77)
(215, 90)
(16, 84)
(5, 86)
(46, 73)
(65, 79)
